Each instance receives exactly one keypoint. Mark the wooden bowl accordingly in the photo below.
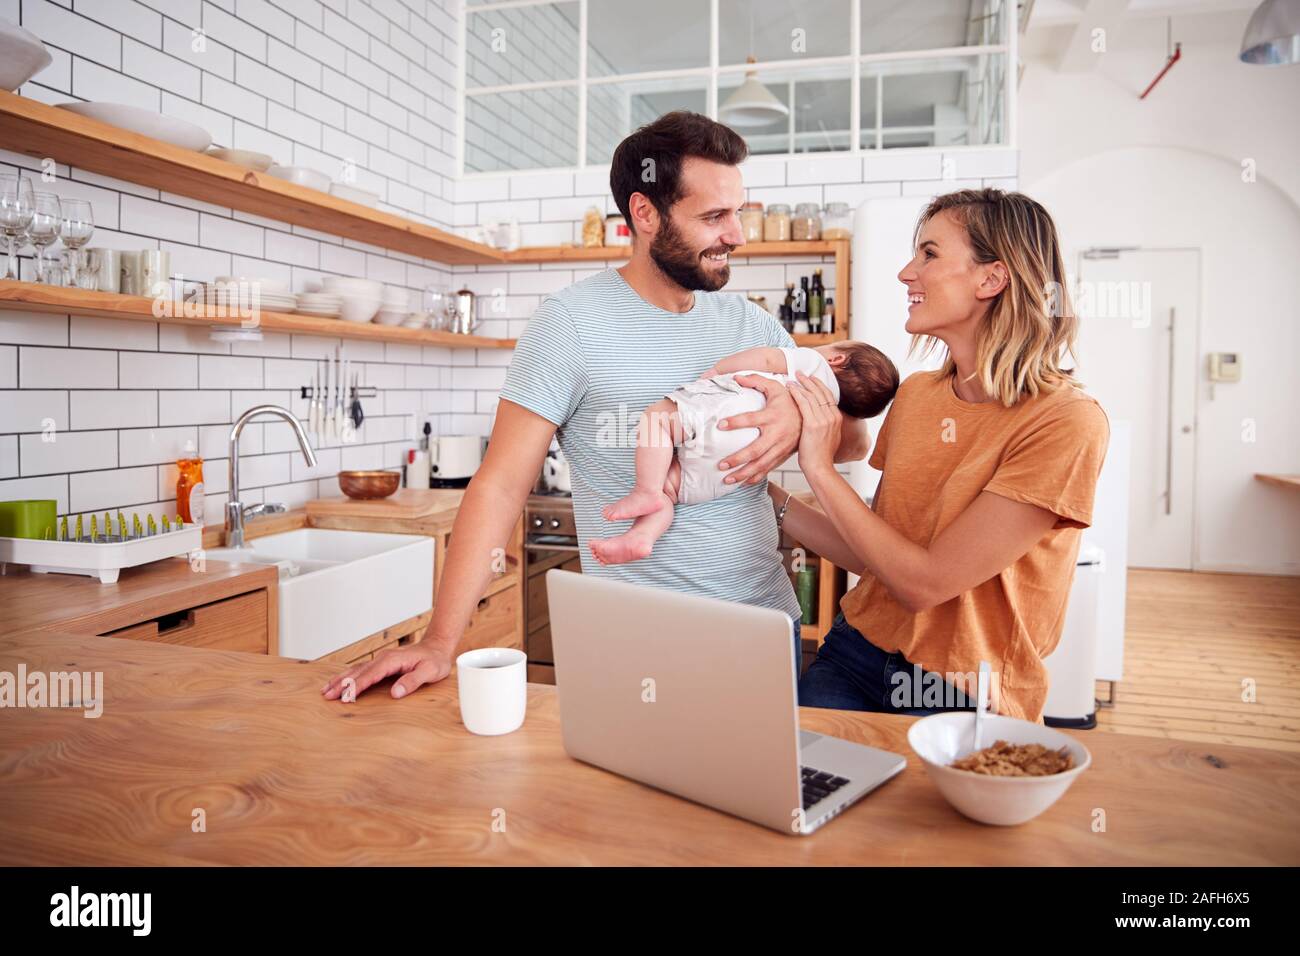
(369, 484)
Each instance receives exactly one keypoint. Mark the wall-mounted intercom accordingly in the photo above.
(1225, 366)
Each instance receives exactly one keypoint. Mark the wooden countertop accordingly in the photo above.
(285, 777)
(78, 603)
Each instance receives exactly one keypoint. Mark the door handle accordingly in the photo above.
(1169, 429)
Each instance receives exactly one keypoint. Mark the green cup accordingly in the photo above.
(28, 519)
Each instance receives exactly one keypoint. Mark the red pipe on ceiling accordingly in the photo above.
(1177, 55)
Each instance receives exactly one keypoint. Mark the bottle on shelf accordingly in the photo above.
(828, 317)
(787, 308)
(189, 485)
(801, 307)
(816, 295)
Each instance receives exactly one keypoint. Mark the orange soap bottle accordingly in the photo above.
(189, 485)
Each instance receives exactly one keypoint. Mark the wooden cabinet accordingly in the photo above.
(234, 624)
(495, 622)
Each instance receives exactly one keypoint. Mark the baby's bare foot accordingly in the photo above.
(639, 502)
(621, 549)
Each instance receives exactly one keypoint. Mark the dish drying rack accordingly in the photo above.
(102, 554)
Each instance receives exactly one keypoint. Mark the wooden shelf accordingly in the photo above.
(1290, 482)
(31, 127)
(32, 297)
(839, 248)
(820, 247)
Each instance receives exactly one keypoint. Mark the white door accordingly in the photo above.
(1138, 352)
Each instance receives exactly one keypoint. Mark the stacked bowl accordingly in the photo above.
(359, 299)
(395, 307)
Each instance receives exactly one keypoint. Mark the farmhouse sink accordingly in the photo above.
(337, 587)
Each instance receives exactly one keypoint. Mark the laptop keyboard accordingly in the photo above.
(818, 785)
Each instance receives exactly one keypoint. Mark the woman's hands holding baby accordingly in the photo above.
(821, 423)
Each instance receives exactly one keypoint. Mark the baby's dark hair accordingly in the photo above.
(868, 380)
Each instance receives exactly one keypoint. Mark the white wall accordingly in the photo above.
(316, 82)
(1250, 241)
(1208, 102)
(1116, 170)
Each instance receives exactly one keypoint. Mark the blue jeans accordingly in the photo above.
(851, 673)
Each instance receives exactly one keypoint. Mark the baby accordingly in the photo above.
(679, 443)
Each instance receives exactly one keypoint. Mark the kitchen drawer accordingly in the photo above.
(495, 622)
(541, 673)
(538, 608)
(539, 645)
(234, 624)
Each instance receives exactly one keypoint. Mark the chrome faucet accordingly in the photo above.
(235, 510)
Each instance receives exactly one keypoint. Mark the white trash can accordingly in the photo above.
(1072, 666)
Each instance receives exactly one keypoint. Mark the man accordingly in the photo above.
(593, 356)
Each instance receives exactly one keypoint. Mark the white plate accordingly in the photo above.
(354, 194)
(391, 316)
(260, 162)
(145, 122)
(22, 55)
(302, 175)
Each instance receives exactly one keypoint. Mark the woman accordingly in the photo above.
(989, 467)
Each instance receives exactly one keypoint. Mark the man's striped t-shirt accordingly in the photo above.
(593, 357)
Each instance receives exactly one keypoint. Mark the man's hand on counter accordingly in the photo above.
(425, 663)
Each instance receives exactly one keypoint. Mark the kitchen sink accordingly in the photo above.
(337, 587)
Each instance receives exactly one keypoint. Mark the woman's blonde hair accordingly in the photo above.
(1030, 326)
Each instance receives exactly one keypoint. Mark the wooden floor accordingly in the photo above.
(1192, 640)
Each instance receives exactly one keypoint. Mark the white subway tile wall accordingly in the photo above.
(94, 412)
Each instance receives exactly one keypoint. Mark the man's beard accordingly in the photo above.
(682, 265)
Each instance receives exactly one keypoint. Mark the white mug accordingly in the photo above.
(493, 684)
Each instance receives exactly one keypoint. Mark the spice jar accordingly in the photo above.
(807, 222)
(751, 221)
(616, 231)
(837, 221)
(776, 223)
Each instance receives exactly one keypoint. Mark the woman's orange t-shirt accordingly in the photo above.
(938, 453)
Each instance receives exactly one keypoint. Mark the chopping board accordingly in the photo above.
(405, 503)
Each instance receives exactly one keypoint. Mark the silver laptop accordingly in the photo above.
(698, 697)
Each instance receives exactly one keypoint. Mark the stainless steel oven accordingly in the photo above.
(550, 541)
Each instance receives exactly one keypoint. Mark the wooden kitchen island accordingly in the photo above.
(284, 777)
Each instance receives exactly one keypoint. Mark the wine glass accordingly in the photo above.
(76, 227)
(437, 303)
(17, 205)
(44, 229)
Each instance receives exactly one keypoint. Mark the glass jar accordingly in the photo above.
(776, 223)
(807, 222)
(751, 221)
(837, 221)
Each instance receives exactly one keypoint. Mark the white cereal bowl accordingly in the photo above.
(345, 285)
(357, 308)
(22, 55)
(302, 176)
(1002, 801)
(387, 316)
(180, 133)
